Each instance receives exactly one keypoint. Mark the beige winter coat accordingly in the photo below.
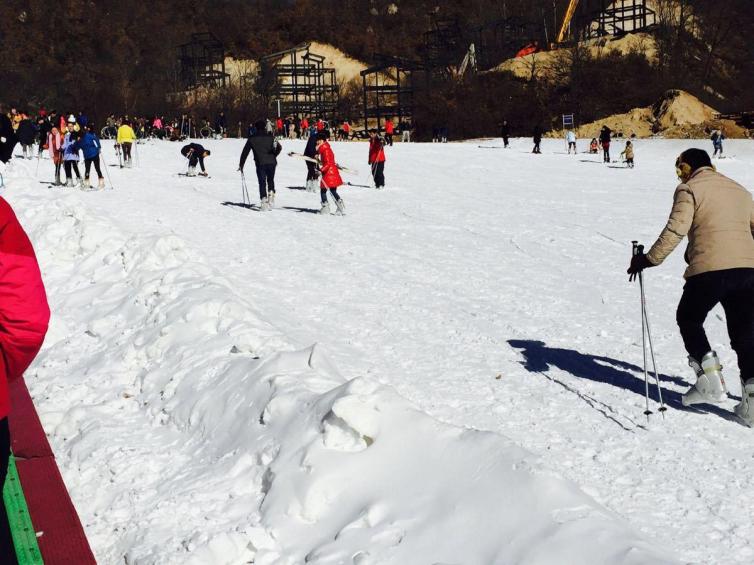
(718, 216)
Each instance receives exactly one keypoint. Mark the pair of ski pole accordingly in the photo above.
(646, 338)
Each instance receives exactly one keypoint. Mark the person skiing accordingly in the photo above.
(717, 143)
(71, 154)
(7, 138)
(26, 134)
(593, 146)
(91, 147)
(24, 318)
(605, 142)
(571, 139)
(628, 153)
(311, 168)
(195, 153)
(55, 147)
(717, 214)
(505, 133)
(389, 130)
(537, 139)
(43, 130)
(265, 149)
(221, 124)
(377, 158)
(126, 137)
(330, 179)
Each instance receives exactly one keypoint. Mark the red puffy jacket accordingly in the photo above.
(24, 313)
(376, 151)
(389, 127)
(330, 175)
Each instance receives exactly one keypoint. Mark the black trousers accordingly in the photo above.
(734, 289)
(68, 165)
(7, 552)
(311, 171)
(126, 145)
(88, 166)
(266, 178)
(378, 172)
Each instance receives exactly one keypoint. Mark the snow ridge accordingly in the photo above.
(191, 431)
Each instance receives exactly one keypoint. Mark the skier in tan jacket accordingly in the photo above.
(717, 215)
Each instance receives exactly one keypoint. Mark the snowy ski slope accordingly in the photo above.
(475, 393)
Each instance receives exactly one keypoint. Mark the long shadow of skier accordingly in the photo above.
(538, 358)
(240, 205)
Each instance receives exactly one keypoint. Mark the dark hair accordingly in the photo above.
(260, 125)
(696, 158)
(208, 152)
(323, 135)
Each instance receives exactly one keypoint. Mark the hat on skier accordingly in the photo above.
(691, 160)
(71, 119)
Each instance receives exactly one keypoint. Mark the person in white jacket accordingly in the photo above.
(571, 139)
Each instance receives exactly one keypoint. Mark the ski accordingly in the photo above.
(194, 176)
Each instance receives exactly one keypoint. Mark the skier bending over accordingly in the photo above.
(330, 176)
(717, 214)
(195, 153)
(266, 149)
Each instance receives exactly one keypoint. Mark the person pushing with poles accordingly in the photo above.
(717, 215)
(330, 179)
(266, 150)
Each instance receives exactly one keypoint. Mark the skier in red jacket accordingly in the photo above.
(377, 158)
(389, 130)
(330, 179)
(24, 315)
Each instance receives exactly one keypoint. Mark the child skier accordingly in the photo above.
(628, 153)
(330, 176)
(377, 158)
(195, 153)
(571, 139)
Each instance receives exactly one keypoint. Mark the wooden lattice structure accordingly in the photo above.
(389, 88)
(598, 18)
(202, 62)
(299, 82)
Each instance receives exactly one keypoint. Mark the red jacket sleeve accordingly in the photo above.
(24, 313)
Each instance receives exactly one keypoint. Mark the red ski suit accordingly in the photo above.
(389, 127)
(330, 175)
(24, 313)
(376, 151)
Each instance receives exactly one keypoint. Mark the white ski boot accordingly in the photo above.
(264, 206)
(325, 209)
(271, 199)
(101, 184)
(710, 385)
(745, 408)
(341, 206)
(85, 185)
(191, 172)
(311, 185)
(69, 183)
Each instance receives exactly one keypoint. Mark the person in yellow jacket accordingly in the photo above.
(126, 137)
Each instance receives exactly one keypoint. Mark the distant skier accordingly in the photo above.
(628, 154)
(389, 130)
(717, 214)
(605, 142)
(27, 134)
(71, 154)
(8, 138)
(266, 150)
(195, 153)
(91, 148)
(717, 138)
(311, 168)
(571, 140)
(330, 176)
(55, 147)
(43, 129)
(126, 137)
(594, 146)
(505, 133)
(377, 158)
(537, 138)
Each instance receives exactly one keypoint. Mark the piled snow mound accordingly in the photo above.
(191, 431)
(679, 108)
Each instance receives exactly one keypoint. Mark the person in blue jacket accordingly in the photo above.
(71, 153)
(91, 148)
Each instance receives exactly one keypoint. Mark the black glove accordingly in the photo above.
(639, 262)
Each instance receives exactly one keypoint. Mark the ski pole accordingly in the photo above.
(662, 407)
(245, 191)
(647, 412)
(107, 172)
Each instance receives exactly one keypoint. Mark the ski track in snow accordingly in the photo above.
(487, 288)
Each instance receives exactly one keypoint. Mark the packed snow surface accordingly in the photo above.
(450, 374)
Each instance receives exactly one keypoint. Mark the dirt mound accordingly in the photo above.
(677, 115)
(346, 68)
